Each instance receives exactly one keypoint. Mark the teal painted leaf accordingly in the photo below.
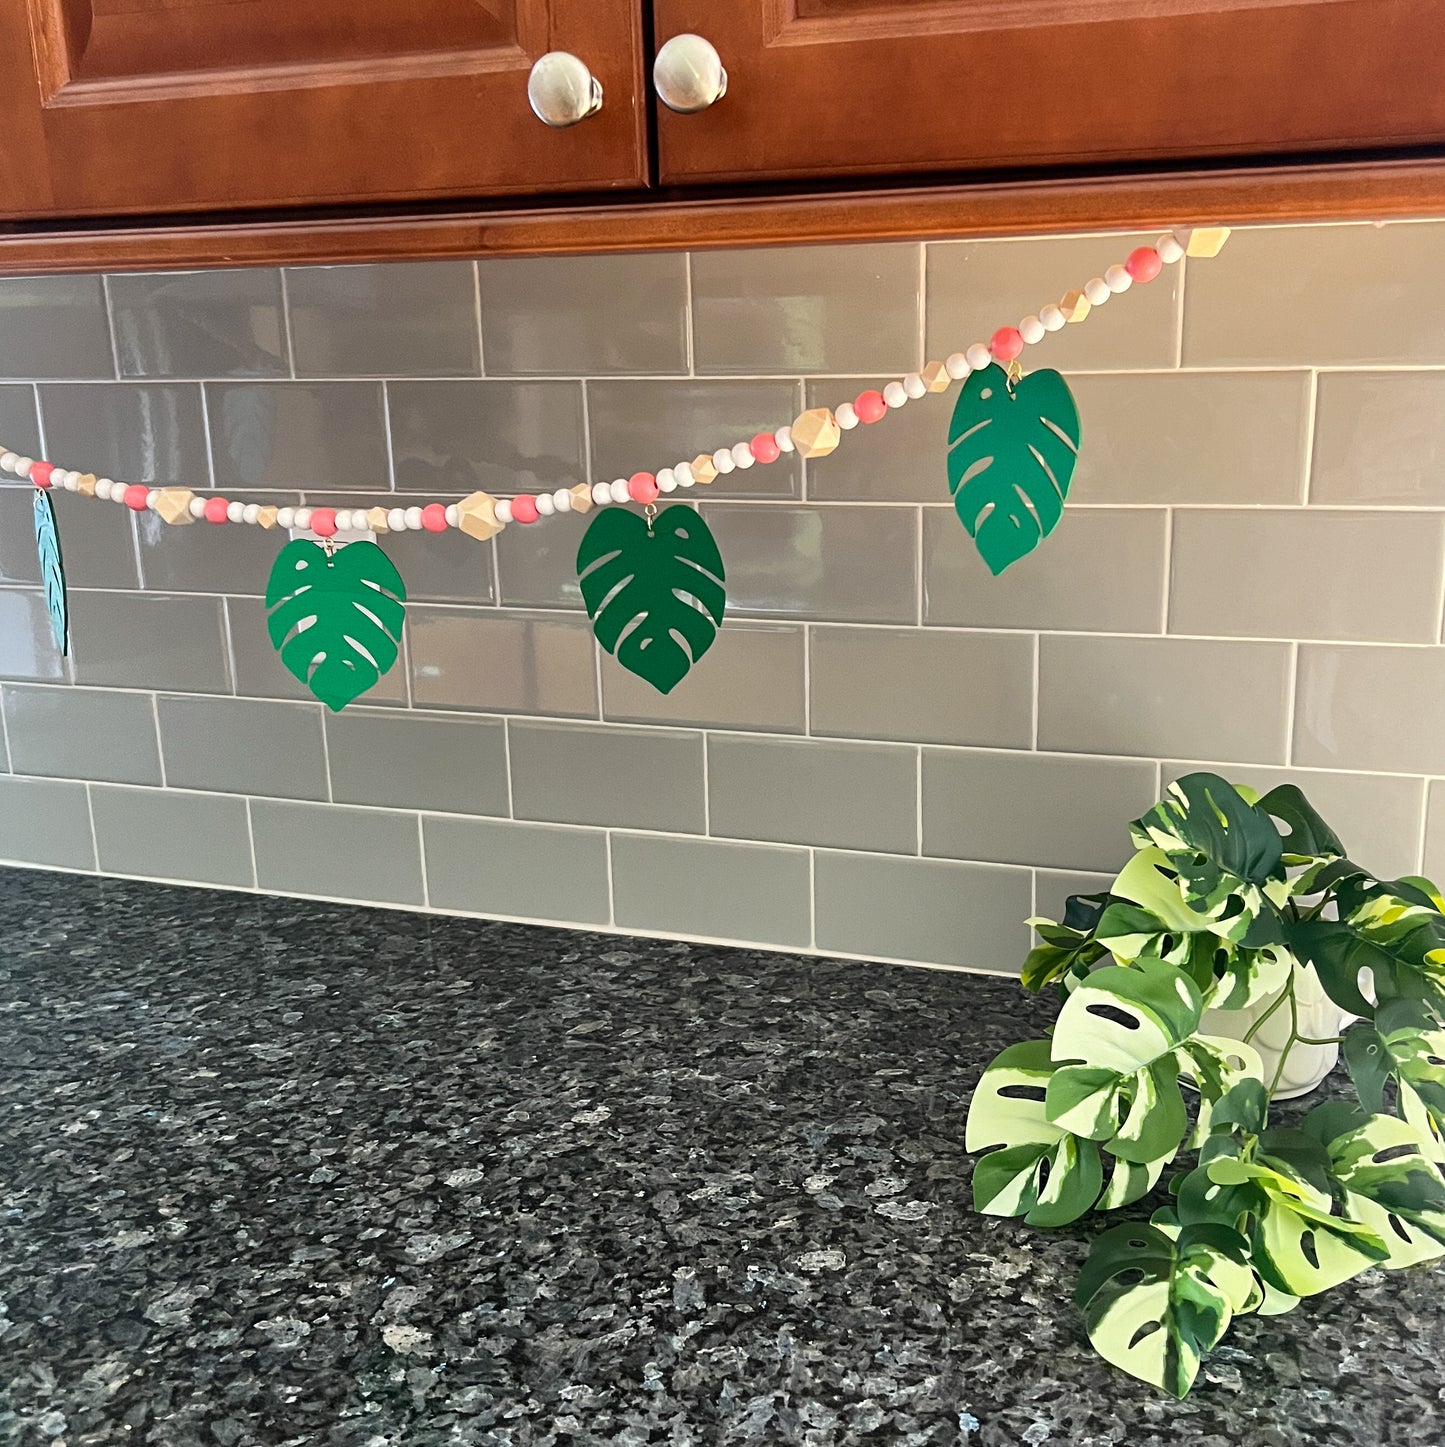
(335, 620)
(654, 593)
(1011, 457)
(52, 570)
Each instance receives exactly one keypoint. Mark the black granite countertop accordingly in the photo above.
(274, 1171)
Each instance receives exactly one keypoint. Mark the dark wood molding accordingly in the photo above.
(1384, 190)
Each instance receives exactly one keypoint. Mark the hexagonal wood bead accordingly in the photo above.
(477, 516)
(816, 433)
(173, 505)
(1075, 306)
(376, 520)
(581, 498)
(935, 377)
(85, 484)
(704, 469)
(266, 516)
(1206, 241)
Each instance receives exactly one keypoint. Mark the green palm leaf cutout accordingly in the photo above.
(1011, 457)
(335, 620)
(52, 570)
(654, 592)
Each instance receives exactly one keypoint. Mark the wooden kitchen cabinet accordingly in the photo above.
(833, 88)
(134, 106)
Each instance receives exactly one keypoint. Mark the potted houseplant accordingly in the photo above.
(1238, 936)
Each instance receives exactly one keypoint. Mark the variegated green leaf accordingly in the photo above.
(1207, 829)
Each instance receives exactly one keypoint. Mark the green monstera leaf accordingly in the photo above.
(1012, 453)
(335, 618)
(1156, 1298)
(1403, 1043)
(52, 570)
(654, 590)
(1207, 829)
(1307, 838)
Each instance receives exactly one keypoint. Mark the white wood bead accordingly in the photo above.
(196, 507)
(894, 395)
(1117, 279)
(618, 491)
(978, 357)
(1096, 289)
(1052, 318)
(667, 480)
(412, 515)
(503, 509)
(914, 385)
(285, 516)
(103, 487)
(684, 474)
(453, 514)
(395, 520)
(743, 455)
(1169, 249)
(235, 512)
(1031, 329)
(113, 486)
(722, 459)
(957, 366)
(562, 499)
(69, 481)
(784, 438)
(845, 416)
(8, 461)
(343, 520)
(23, 466)
(545, 506)
(117, 492)
(601, 494)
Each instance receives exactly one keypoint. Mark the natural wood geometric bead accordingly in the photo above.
(704, 469)
(173, 505)
(1075, 306)
(376, 520)
(581, 498)
(935, 377)
(816, 433)
(85, 484)
(477, 516)
(1207, 241)
(266, 516)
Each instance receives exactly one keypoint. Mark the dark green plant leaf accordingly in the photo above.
(1011, 457)
(335, 620)
(655, 594)
(52, 570)
(1204, 815)
(1401, 1044)
(1064, 951)
(1308, 837)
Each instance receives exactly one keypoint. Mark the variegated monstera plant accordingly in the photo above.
(1230, 900)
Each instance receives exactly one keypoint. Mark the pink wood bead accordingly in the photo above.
(216, 509)
(870, 406)
(323, 522)
(1007, 344)
(434, 517)
(524, 510)
(765, 447)
(135, 496)
(40, 473)
(1144, 264)
(642, 487)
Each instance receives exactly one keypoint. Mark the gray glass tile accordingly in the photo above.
(82, 733)
(45, 822)
(512, 870)
(282, 435)
(843, 564)
(537, 567)
(203, 558)
(646, 426)
(923, 687)
(167, 834)
(502, 662)
(585, 315)
(1052, 888)
(1380, 438)
(19, 426)
(846, 796)
(410, 761)
(974, 287)
(27, 648)
(1028, 808)
(199, 324)
(131, 431)
(751, 892)
(1100, 569)
(340, 853)
(1434, 863)
(405, 319)
(149, 640)
(97, 544)
(241, 746)
(751, 678)
(54, 326)
(620, 778)
(901, 460)
(502, 437)
(923, 909)
(1164, 696)
(806, 309)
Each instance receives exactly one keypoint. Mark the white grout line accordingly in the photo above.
(918, 569)
(922, 354)
(481, 330)
(507, 761)
(251, 844)
(1420, 843)
(386, 435)
(706, 789)
(94, 838)
(918, 802)
(160, 747)
(109, 310)
(807, 680)
(1038, 651)
(611, 891)
(689, 341)
(1307, 450)
(421, 849)
(1179, 314)
(1291, 685)
(286, 322)
(1168, 561)
(4, 732)
(326, 759)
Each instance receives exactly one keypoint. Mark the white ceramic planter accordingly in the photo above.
(1319, 1017)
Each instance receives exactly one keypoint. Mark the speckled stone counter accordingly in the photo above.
(281, 1172)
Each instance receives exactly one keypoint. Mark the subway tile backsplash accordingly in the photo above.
(888, 752)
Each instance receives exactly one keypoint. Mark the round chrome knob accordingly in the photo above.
(689, 74)
(562, 90)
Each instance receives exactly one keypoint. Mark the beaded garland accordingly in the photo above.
(814, 433)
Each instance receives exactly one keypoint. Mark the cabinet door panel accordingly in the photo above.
(176, 105)
(820, 87)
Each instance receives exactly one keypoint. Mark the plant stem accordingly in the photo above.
(1259, 1024)
(1310, 1040)
(1293, 1036)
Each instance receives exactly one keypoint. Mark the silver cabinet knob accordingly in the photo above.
(689, 74)
(562, 90)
